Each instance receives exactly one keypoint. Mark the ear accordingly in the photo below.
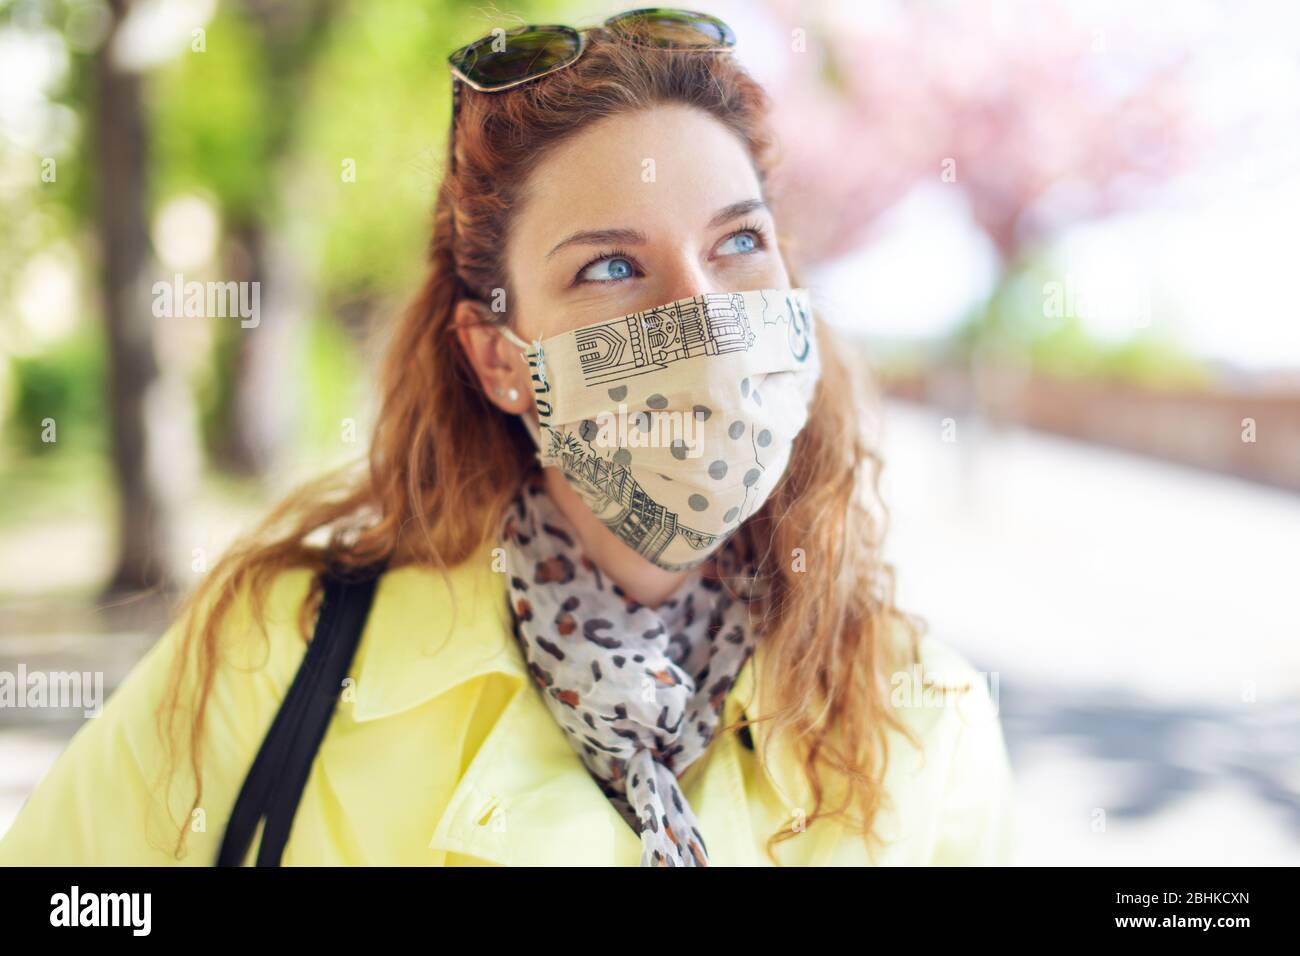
(502, 371)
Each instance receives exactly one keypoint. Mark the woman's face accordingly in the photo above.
(636, 211)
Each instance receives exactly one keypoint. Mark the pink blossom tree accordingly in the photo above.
(1039, 120)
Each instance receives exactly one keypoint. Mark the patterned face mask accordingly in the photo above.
(675, 423)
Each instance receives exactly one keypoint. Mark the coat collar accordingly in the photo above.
(526, 789)
(430, 631)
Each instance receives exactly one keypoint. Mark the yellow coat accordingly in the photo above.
(443, 753)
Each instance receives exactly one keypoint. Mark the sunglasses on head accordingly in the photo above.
(506, 58)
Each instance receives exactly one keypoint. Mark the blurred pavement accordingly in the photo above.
(1141, 619)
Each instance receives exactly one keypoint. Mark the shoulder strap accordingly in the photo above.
(279, 773)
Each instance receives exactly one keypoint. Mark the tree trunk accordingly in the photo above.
(120, 150)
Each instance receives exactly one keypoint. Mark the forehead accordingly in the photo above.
(662, 170)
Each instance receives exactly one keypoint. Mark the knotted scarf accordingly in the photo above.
(639, 691)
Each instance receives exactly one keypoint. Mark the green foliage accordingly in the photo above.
(334, 372)
(368, 222)
(214, 393)
(1155, 361)
(1015, 323)
(211, 119)
(67, 384)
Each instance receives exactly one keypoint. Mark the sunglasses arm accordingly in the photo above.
(455, 111)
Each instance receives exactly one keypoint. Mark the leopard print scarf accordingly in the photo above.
(639, 691)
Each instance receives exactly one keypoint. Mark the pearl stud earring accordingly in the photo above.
(512, 394)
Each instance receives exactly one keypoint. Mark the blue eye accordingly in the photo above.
(614, 266)
(743, 242)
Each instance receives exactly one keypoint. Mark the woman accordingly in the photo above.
(598, 639)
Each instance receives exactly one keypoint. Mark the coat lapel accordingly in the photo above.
(526, 798)
(780, 770)
(429, 632)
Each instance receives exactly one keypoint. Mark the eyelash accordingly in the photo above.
(753, 227)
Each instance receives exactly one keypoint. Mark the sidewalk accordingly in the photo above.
(1142, 619)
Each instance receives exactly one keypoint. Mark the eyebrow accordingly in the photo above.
(634, 237)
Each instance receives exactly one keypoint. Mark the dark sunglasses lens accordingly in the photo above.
(512, 57)
(673, 29)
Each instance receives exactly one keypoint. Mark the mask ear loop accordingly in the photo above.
(532, 354)
(513, 337)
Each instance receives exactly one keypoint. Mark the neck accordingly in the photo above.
(641, 580)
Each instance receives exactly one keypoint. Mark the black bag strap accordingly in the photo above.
(275, 782)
